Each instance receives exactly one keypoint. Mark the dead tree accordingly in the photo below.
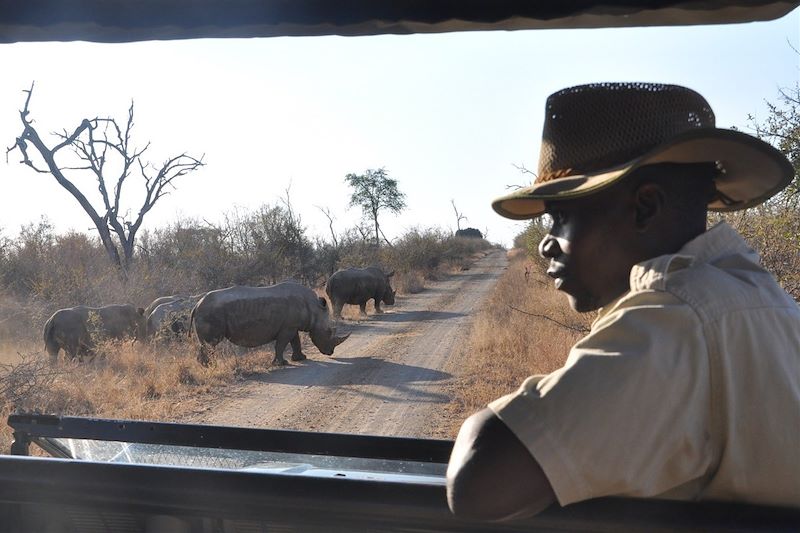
(327, 212)
(459, 216)
(103, 150)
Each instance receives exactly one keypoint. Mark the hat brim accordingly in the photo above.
(753, 172)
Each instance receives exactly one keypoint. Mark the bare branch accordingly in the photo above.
(155, 187)
(75, 168)
(24, 112)
(18, 381)
(85, 124)
(459, 216)
(579, 329)
(23, 148)
(327, 212)
(384, 238)
(522, 168)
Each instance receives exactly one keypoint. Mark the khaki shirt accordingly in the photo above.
(687, 387)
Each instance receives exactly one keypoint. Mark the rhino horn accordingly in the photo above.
(339, 340)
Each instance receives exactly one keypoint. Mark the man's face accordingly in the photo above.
(589, 247)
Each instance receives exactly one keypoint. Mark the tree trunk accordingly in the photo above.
(377, 236)
(108, 243)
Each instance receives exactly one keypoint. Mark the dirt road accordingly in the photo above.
(390, 377)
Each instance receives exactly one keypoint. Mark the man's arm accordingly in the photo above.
(491, 475)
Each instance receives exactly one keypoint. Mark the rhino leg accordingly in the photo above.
(90, 353)
(363, 308)
(337, 310)
(86, 348)
(52, 351)
(72, 349)
(202, 354)
(297, 352)
(280, 346)
(378, 306)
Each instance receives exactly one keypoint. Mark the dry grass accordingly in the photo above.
(411, 282)
(128, 381)
(508, 345)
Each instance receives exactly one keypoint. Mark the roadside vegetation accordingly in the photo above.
(525, 327)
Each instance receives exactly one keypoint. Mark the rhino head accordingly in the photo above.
(140, 327)
(324, 336)
(388, 293)
(327, 340)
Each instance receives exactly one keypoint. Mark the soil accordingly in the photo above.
(391, 377)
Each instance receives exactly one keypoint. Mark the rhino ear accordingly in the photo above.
(390, 274)
(140, 310)
(323, 302)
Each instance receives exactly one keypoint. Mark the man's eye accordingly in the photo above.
(559, 217)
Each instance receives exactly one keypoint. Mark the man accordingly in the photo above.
(688, 384)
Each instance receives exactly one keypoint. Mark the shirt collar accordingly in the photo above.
(718, 241)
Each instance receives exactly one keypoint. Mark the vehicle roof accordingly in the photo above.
(138, 20)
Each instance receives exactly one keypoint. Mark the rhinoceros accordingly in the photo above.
(253, 316)
(160, 300)
(77, 329)
(357, 286)
(170, 320)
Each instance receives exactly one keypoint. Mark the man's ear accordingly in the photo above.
(649, 201)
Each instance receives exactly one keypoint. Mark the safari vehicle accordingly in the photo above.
(130, 476)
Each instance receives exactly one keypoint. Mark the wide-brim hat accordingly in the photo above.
(595, 135)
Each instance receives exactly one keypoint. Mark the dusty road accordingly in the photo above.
(391, 377)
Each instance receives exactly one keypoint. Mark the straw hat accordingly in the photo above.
(595, 135)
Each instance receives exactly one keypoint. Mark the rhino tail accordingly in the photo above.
(50, 343)
(191, 323)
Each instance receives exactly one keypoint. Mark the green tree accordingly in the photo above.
(374, 191)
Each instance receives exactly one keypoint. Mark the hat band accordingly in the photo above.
(554, 175)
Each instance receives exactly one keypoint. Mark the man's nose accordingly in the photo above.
(548, 247)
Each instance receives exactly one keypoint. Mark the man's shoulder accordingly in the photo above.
(712, 288)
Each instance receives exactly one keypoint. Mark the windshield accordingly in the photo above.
(271, 462)
(145, 179)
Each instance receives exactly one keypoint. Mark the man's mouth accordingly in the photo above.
(558, 272)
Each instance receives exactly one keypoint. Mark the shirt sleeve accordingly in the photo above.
(628, 414)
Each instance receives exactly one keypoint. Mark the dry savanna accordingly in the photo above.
(162, 380)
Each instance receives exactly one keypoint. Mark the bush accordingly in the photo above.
(42, 271)
(530, 238)
(427, 252)
(773, 230)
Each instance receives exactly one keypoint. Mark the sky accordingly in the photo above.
(449, 116)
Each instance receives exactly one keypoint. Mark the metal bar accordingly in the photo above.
(298, 503)
(236, 438)
(137, 20)
(21, 444)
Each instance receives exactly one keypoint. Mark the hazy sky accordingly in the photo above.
(448, 115)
